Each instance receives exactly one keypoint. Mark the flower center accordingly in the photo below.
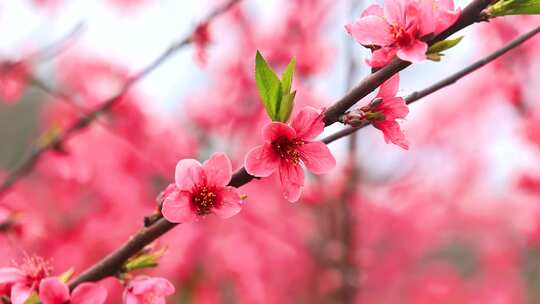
(204, 200)
(288, 149)
(401, 36)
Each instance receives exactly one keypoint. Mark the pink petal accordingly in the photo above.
(381, 57)
(373, 10)
(426, 15)
(371, 30)
(317, 157)
(275, 130)
(261, 161)
(446, 18)
(389, 88)
(218, 170)
(130, 298)
(158, 286)
(177, 207)
(292, 180)
(230, 203)
(11, 275)
(392, 133)
(189, 173)
(53, 291)
(414, 53)
(308, 123)
(394, 12)
(393, 108)
(89, 293)
(20, 293)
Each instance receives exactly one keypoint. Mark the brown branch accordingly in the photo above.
(112, 264)
(413, 97)
(38, 149)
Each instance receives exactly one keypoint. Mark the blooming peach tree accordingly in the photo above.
(84, 213)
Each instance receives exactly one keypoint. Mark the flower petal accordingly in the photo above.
(20, 293)
(381, 57)
(317, 157)
(275, 130)
(371, 30)
(392, 133)
(389, 88)
(11, 275)
(230, 202)
(261, 161)
(308, 123)
(53, 291)
(177, 207)
(394, 12)
(292, 180)
(158, 286)
(394, 107)
(218, 170)
(415, 52)
(373, 10)
(89, 293)
(188, 174)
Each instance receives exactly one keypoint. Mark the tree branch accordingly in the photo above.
(37, 150)
(471, 14)
(413, 97)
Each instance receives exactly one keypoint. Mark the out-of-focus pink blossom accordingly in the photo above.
(13, 79)
(401, 27)
(286, 147)
(147, 290)
(201, 37)
(54, 291)
(200, 190)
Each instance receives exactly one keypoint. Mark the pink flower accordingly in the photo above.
(147, 290)
(286, 147)
(53, 291)
(19, 282)
(400, 27)
(13, 78)
(382, 112)
(200, 190)
(391, 108)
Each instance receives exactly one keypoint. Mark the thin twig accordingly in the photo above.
(413, 97)
(38, 149)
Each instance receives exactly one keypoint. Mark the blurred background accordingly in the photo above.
(454, 219)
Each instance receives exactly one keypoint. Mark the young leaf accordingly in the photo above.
(287, 104)
(269, 86)
(287, 77)
(514, 7)
(444, 45)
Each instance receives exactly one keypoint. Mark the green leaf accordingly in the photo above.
(444, 45)
(514, 7)
(287, 77)
(287, 105)
(269, 86)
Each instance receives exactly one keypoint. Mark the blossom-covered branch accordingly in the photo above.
(38, 148)
(113, 263)
(415, 96)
